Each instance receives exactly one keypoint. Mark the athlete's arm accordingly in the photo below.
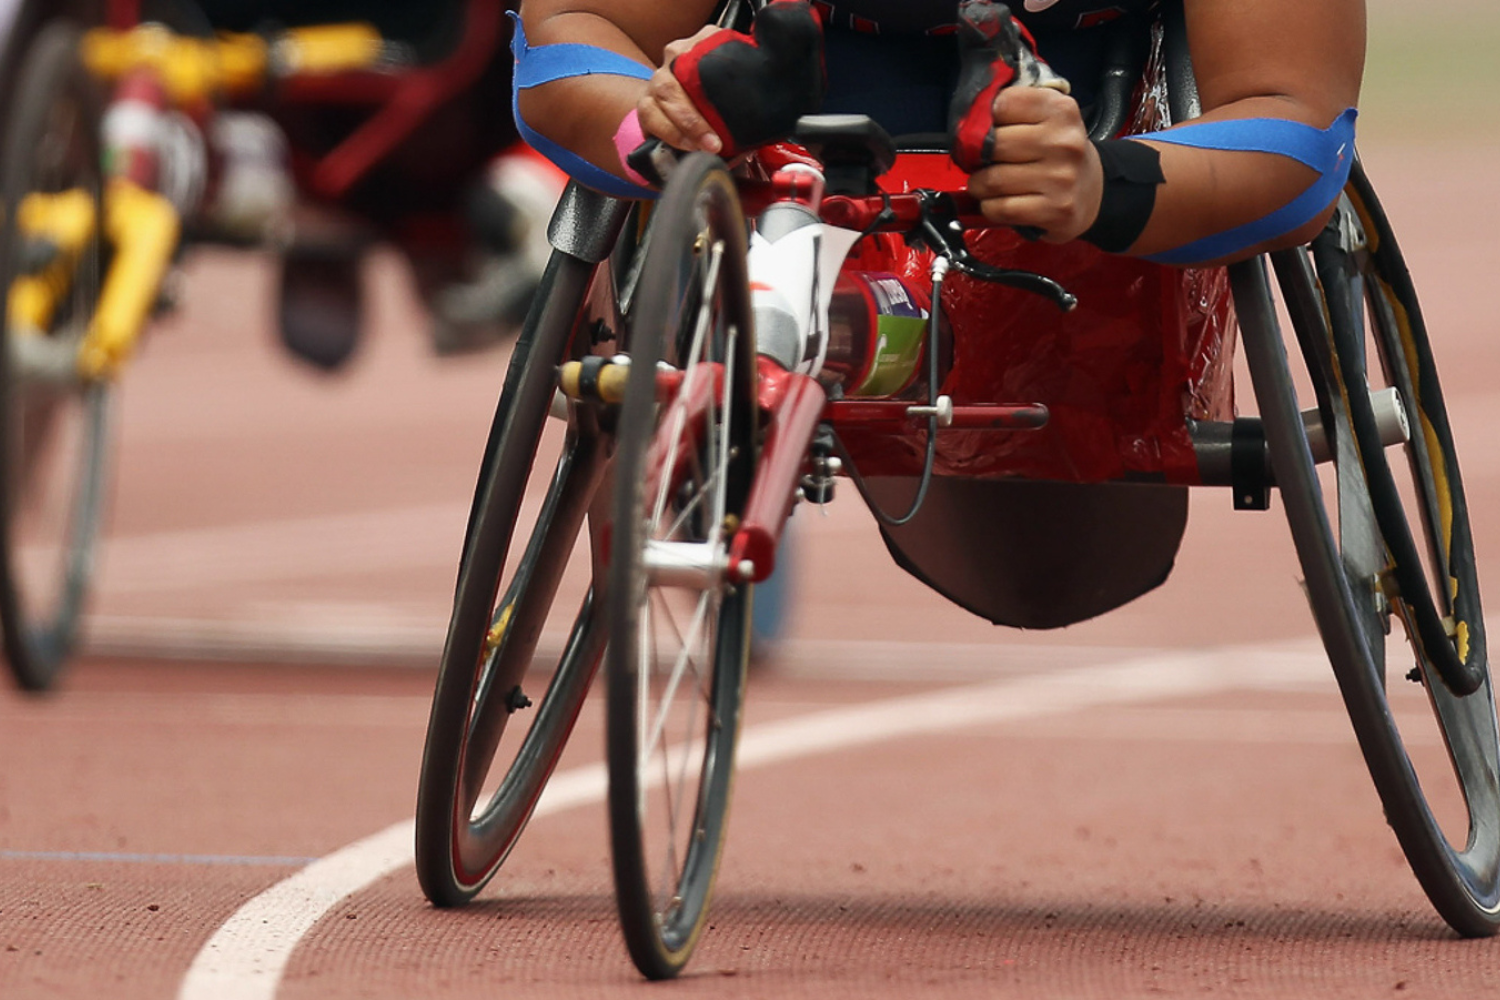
(1272, 59)
(581, 113)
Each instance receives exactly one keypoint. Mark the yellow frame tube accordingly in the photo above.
(66, 219)
(144, 229)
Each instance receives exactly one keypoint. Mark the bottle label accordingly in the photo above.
(900, 334)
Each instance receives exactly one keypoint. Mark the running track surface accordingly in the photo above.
(217, 803)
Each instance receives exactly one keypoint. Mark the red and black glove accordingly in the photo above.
(753, 88)
(995, 51)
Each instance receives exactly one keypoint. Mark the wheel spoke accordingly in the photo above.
(709, 300)
(720, 481)
(710, 485)
(681, 665)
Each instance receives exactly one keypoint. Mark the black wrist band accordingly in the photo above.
(1132, 171)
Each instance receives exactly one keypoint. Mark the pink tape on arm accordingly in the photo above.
(627, 137)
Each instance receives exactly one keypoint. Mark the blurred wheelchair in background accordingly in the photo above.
(135, 130)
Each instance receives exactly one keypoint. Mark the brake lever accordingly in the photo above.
(942, 232)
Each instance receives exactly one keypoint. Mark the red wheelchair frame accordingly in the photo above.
(1153, 356)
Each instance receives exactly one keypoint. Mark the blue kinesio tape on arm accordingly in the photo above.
(545, 63)
(1328, 151)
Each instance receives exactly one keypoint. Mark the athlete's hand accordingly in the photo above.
(668, 113)
(1046, 174)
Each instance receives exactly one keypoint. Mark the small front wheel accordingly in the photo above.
(680, 617)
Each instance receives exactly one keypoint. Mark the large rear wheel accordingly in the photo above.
(505, 704)
(1383, 537)
(54, 435)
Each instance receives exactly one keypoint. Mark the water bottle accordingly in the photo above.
(783, 266)
(877, 336)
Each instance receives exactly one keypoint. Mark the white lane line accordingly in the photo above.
(268, 551)
(1222, 728)
(354, 634)
(135, 710)
(246, 957)
(135, 858)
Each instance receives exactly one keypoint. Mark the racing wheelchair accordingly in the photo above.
(651, 439)
(118, 158)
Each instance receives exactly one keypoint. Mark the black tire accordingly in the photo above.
(54, 427)
(682, 482)
(511, 576)
(1382, 541)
